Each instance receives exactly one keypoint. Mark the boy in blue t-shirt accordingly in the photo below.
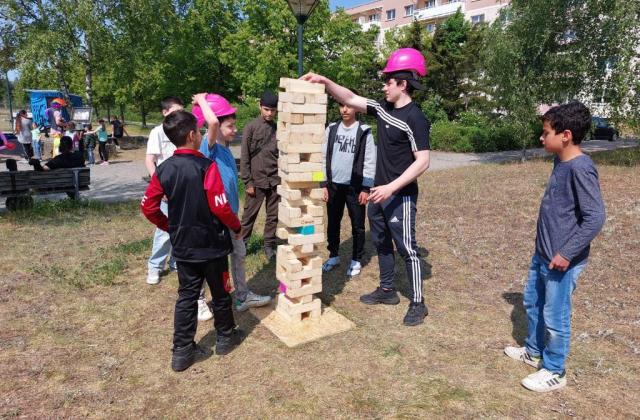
(221, 131)
(571, 215)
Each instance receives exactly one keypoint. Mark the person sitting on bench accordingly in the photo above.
(66, 159)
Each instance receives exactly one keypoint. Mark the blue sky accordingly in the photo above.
(346, 3)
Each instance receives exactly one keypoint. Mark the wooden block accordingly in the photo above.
(315, 210)
(314, 119)
(307, 248)
(295, 311)
(299, 239)
(299, 167)
(291, 118)
(306, 108)
(290, 157)
(298, 287)
(290, 194)
(299, 148)
(305, 128)
(288, 259)
(290, 212)
(300, 86)
(303, 98)
(316, 193)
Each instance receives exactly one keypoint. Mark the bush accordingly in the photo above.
(480, 139)
(450, 136)
(433, 110)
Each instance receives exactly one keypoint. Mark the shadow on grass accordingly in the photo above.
(518, 316)
(333, 282)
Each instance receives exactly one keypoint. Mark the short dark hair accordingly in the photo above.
(177, 126)
(574, 116)
(389, 76)
(66, 144)
(168, 101)
(101, 121)
(269, 99)
(227, 117)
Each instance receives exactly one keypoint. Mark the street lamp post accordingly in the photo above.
(301, 9)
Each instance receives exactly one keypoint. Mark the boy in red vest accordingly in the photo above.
(199, 215)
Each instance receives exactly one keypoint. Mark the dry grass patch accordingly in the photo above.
(101, 348)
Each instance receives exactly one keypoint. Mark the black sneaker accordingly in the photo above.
(415, 314)
(226, 343)
(387, 297)
(184, 357)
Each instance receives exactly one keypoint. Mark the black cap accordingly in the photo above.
(409, 76)
(269, 99)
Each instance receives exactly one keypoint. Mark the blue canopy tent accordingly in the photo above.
(41, 100)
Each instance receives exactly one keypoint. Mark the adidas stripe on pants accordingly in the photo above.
(394, 222)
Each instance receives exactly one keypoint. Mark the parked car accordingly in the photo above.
(602, 129)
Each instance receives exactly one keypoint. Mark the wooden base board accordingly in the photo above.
(295, 334)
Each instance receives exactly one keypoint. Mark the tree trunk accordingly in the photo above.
(122, 113)
(64, 86)
(109, 112)
(143, 114)
(88, 82)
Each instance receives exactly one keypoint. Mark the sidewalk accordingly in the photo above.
(122, 180)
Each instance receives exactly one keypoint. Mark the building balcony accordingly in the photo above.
(367, 25)
(438, 11)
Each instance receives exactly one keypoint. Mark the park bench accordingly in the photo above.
(20, 186)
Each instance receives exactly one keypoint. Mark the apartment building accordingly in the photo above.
(389, 14)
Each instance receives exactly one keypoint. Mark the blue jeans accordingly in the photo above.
(90, 157)
(547, 301)
(161, 246)
(37, 149)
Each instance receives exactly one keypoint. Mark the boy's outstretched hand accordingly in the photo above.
(559, 263)
(313, 78)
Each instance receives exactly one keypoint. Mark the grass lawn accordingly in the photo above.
(83, 335)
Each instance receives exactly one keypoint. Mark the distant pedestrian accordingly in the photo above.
(103, 137)
(117, 130)
(23, 132)
(90, 144)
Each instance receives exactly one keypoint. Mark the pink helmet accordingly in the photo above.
(408, 59)
(219, 105)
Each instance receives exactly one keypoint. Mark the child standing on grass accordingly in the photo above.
(90, 144)
(571, 215)
(103, 136)
(221, 121)
(199, 222)
(349, 153)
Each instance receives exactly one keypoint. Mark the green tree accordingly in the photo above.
(454, 68)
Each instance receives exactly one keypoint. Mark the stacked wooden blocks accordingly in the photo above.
(302, 114)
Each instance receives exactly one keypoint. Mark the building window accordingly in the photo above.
(477, 19)
(408, 10)
(430, 3)
(391, 14)
(374, 18)
(430, 27)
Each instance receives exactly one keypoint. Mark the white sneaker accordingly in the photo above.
(330, 264)
(204, 313)
(153, 276)
(544, 381)
(354, 269)
(520, 353)
(252, 301)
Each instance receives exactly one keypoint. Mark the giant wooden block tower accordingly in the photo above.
(299, 316)
(302, 113)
